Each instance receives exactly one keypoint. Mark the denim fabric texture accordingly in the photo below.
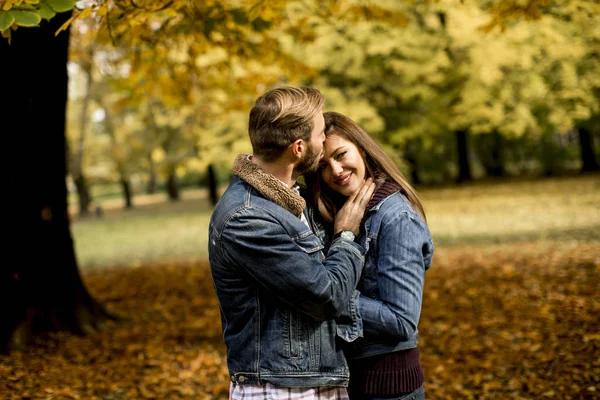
(399, 252)
(278, 295)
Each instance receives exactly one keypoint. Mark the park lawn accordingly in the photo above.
(510, 309)
(515, 211)
(154, 230)
(480, 213)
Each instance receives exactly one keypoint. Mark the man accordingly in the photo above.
(278, 294)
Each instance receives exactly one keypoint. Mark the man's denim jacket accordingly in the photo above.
(399, 252)
(278, 295)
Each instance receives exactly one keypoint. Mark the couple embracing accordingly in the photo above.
(320, 285)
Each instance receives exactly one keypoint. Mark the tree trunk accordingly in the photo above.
(120, 165)
(173, 186)
(212, 185)
(548, 155)
(151, 186)
(40, 286)
(491, 152)
(411, 155)
(127, 195)
(588, 157)
(464, 164)
(83, 191)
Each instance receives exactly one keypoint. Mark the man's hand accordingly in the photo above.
(349, 216)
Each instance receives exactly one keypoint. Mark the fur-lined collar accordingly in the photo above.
(267, 185)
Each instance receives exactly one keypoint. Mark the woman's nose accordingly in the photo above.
(336, 168)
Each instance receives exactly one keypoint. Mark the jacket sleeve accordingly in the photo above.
(292, 268)
(403, 254)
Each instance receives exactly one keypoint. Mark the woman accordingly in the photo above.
(385, 363)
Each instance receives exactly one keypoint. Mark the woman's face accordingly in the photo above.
(342, 168)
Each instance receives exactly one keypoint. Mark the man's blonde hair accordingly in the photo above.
(281, 116)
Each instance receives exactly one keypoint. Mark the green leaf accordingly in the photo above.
(6, 20)
(46, 11)
(61, 5)
(24, 7)
(26, 18)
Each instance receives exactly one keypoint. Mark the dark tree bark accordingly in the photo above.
(491, 152)
(548, 155)
(119, 164)
(83, 193)
(173, 186)
(411, 155)
(127, 195)
(83, 189)
(212, 185)
(151, 186)
(40, 286)
(588, 156)
(464, 163)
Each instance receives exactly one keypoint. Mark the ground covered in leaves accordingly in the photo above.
(499, 322)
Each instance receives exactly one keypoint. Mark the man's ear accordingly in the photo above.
(298, 148)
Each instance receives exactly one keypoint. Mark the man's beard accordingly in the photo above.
(309, 163)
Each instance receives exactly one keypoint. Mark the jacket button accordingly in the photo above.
(242, 378)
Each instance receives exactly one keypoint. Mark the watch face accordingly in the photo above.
(348, 235)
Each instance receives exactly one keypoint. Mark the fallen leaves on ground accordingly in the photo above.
(498, 322)
(169, 348)
(513, 322)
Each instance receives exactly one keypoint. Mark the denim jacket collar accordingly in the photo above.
(377, 206)
(268, 185)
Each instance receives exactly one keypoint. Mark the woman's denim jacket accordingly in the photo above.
(399, 252)
(278, 295)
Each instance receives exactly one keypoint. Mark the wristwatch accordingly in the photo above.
(348, 235)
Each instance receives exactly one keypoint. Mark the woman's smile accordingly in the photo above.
(343, 180)
(342, 167)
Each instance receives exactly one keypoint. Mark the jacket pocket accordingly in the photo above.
(292, 334)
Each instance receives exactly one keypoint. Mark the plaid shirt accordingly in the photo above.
(270, 392)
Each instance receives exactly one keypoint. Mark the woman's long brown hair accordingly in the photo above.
(378, 165)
